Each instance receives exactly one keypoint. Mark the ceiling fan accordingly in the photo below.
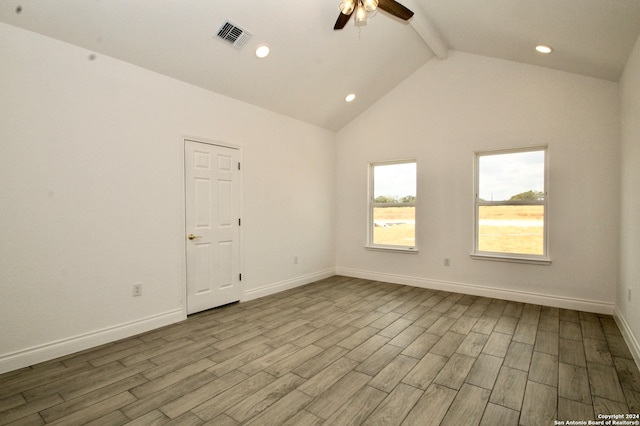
(361, 7)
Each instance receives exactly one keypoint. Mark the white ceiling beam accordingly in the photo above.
(425, 29)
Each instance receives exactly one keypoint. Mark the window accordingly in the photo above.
(511, 205)
(392, 205)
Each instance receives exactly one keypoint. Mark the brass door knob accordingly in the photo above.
(193, 237)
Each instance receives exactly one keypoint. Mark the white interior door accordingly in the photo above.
(212, 225)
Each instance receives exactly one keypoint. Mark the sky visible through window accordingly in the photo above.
(395, 180)
(502, 176)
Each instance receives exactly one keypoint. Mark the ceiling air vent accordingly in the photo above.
(233, 34)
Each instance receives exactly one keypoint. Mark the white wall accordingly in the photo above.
(629, 314)
(441, 115)
(92, 198)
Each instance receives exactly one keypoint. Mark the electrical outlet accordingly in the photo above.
(137, 289)
(295, 260)
(629, 294)
(447, 261)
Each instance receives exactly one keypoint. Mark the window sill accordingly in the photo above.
(390, 249)
(497, 258)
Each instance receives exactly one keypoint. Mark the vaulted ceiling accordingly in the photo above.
(311, 67)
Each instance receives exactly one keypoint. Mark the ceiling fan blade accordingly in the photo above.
(342, 21)
(395, 8)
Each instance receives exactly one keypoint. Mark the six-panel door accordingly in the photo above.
(212, 225)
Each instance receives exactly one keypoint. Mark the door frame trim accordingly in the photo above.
(184, 138)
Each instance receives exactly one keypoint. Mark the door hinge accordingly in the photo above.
(239, 222)
(240, 277)
(238, 166)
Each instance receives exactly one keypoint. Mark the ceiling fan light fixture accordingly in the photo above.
(541, 48)
(361, 14)
(347, 6)
(359, 8)
(370, 5)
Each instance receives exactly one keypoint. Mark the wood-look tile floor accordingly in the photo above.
(342, 351)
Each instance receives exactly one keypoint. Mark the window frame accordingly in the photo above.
(372, 205)
(542, 259)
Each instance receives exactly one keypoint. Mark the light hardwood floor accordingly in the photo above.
(342, 351)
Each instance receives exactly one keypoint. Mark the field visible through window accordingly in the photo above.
(503, 229)
(511, 229)
(394, 226)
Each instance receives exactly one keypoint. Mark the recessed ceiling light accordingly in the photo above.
(262, 51)
(543, 49)
(350, 97)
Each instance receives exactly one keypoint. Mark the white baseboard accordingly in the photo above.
(485, 291)
(629, 338)
(286, 285)
(48, 351)
(52, 350)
